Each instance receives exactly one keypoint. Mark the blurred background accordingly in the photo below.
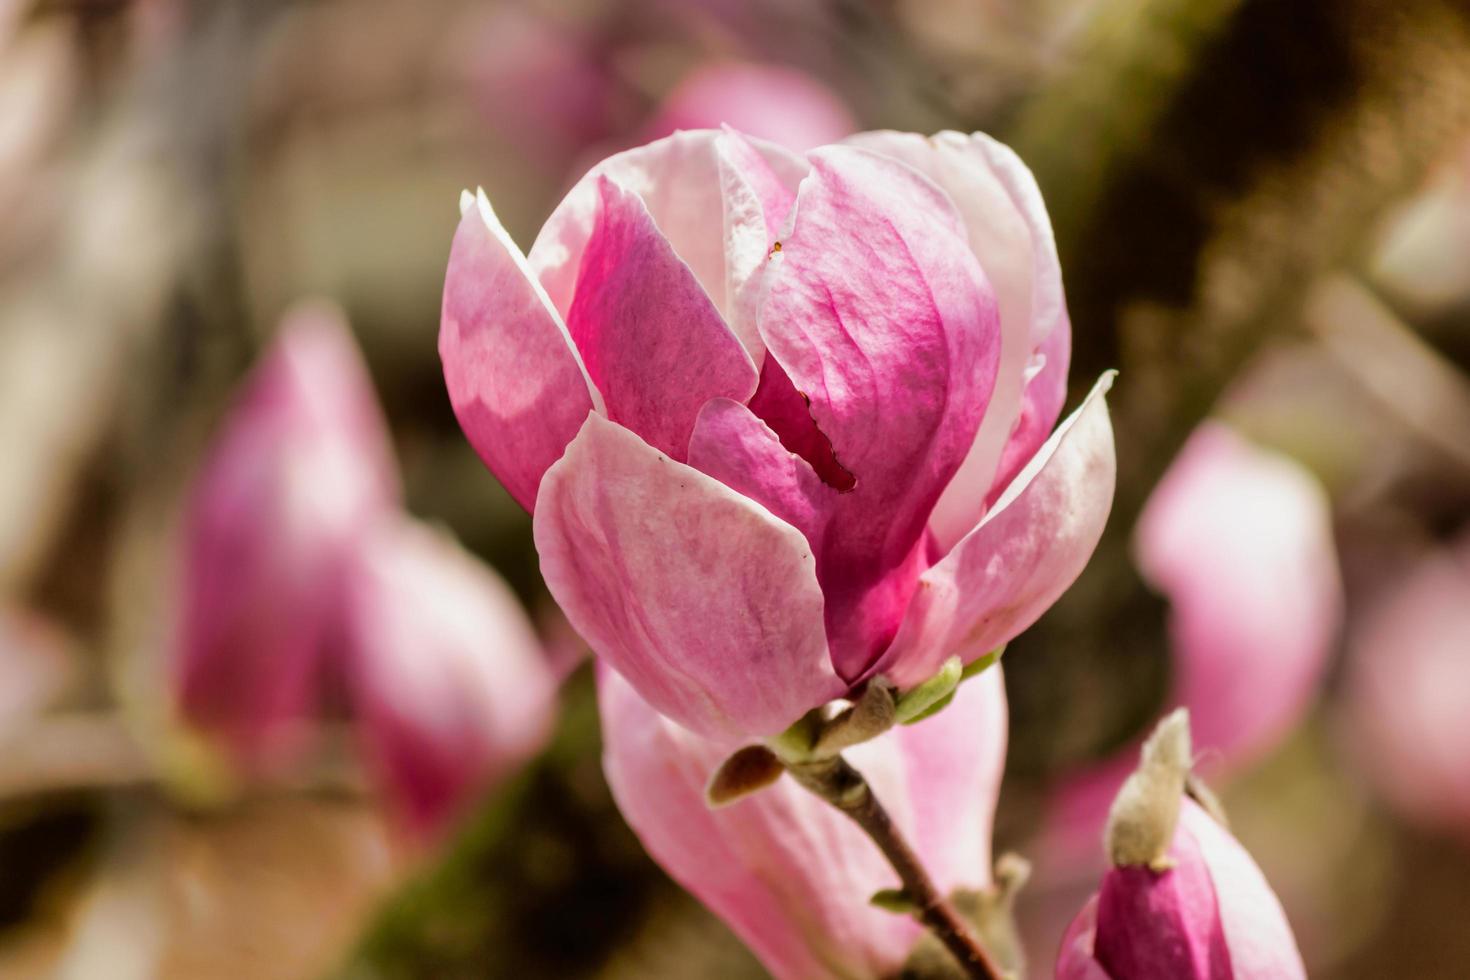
(1263, 214)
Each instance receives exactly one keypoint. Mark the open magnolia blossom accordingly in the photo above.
(791, 875)
(301, 579)
(1183, 900)
(783, 420)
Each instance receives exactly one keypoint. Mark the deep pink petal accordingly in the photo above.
(1026, 552)
(1002, 240)
(731, 444)
(653, 343)
(1154, 925)
(881, 317)
(789, 415)
(1075, 958)
(449, 683)
(707, 603)
(1260, 940)
(678, 179)
(513, 378)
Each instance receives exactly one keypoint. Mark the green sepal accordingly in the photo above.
(932, 710)
(977, 667)
(917, 702)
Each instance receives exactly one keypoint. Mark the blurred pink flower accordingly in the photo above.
(1408, 692)
(1211, 915)
(301, 466)
(449, 680)
(300, 571)
(763, 471)
(783, 105)
(790, 874)
(35, 667)
(1239, 540)
(544, 83)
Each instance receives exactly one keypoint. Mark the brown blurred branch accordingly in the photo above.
(1406, 377)
(76, 752)
(97, 752)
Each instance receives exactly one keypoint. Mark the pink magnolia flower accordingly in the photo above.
(302, 576)
(783, 420)
(301, 465)
(1183, 899)
(783, 105)
(1255, 605)
(1408, 692)
(790, 874)
(1255, 601)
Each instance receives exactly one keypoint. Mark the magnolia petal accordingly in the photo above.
(1075, 959)
(644, 553)
(1041, 403)
(897, 379)
(678, 179)
(449, 682)
(1010, 231)
(789, 873)
(1002, 240)
(953, 763)
(653, 344)
(735, 447)
(1261, 943)
(1165, 925)
(757, 204)
(514, 379)
(1026, 552)
(1051, 328)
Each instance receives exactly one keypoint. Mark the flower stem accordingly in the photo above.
(837, 782)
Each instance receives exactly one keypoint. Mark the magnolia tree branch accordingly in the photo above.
(95, 752)
(837, 782)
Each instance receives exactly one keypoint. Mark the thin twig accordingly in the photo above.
(837, 782)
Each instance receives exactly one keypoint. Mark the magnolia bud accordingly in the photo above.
(1183, 900)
